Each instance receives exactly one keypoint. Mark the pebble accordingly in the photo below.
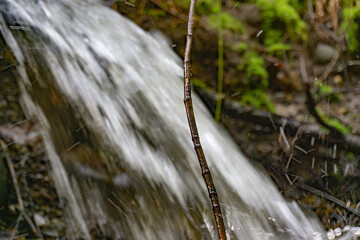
(338, 80)
(323, 53)
(39, 220)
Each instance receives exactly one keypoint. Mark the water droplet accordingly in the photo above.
(337, 231)
(330, 234)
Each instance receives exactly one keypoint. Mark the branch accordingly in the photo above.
(310, 102)
(311, 105)
(331, 65)
(169, 11)
(336, 91)
(330, 198)
(35, 230)
(194, 132)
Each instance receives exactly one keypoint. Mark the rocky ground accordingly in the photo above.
(32, 207)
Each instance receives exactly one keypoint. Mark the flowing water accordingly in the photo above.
(109, 99)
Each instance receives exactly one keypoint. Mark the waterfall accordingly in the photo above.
(109, 99)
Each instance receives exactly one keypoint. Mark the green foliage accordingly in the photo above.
(198, 83)
(208, 6)
(338, 176)
(278, 48)
(279, 14)
(257, 78)
(334, 123)
(259, 99)
(254, 66)
(350, 24)
(324, 89)
(155, 12)
(351, 156)
(226, 21)
(239, 47)
(202, 6)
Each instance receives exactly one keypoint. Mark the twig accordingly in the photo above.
(336, 91)
(194, 132)
(331, 65)
(17, 191)
(310, 11)
(353, 63)
(170, 11)
(13, 175)
(330, 198)
(289, 180)
(310, 102)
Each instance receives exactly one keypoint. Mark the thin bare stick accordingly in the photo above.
(330, 198)
(310, 102)
(194, 132)
(331, 65)
(171, 11)
(17, 191)
(13, 175)
(336, 91)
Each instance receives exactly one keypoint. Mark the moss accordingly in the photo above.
(226, 21)
(259, 99)
(200, 84)
(253, 90)
(334, 123)
(324, 89)
(254, 66)
(155, 12)
(278, 48)
(350, 24)
(239, 47)
(338, 177)
(279, 15)
(208, 6)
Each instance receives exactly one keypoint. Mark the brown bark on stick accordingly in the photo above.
(194, 132)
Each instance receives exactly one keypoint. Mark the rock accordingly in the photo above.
(287, 110)
(39, 220)
(323, 53)
(338, 80)
(12, 208)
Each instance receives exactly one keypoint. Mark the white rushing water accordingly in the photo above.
(109, 98)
